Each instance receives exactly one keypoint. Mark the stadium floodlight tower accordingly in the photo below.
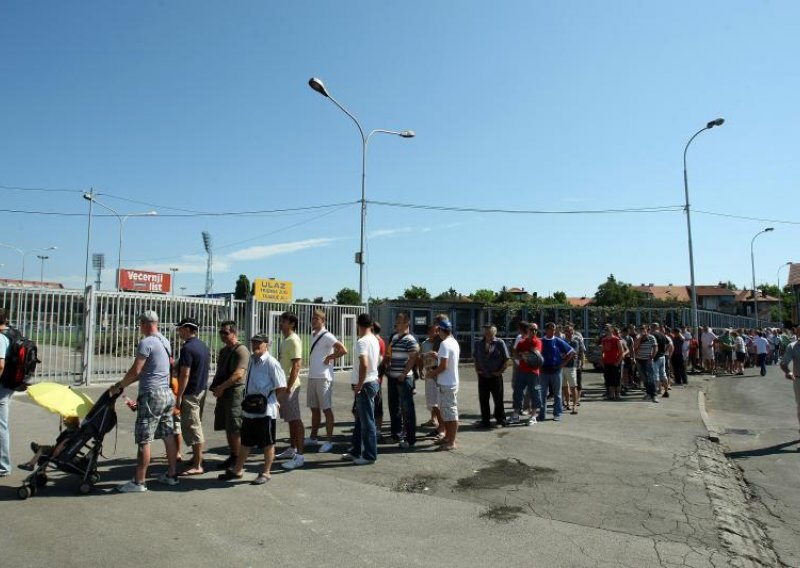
(98, 263)
(209, 276)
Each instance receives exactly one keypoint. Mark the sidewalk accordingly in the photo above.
(620, 484)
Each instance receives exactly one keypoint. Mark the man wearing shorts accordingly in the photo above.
(154, 404)
(265, 378)
(569, 373)
(446, 375)
(227, 387)
(192, 381)
(707, 339)
(291, 351)
(660, 360)
(427, 362)
(325, 349)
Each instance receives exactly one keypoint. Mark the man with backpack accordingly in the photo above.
(5, 400)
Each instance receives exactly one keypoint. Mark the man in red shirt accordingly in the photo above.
(527, 376)
(614, 350)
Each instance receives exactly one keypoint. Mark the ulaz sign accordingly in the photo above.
(271, 290)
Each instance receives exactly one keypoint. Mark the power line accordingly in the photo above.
(253, 213)
(732, 216)
(655, 209)
(42, 189)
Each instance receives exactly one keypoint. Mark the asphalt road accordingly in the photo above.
(620, 484)
(758, 426)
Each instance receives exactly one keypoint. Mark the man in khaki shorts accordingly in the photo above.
(447, 378)
(325, 349)
(290, 353)
(192, 381)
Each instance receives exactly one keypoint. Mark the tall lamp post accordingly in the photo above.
(172, 284)
(780, 289)
(753, 265)
(317, 85)
(709, 126)
(42, 257)
(91, 197)
(23, 254)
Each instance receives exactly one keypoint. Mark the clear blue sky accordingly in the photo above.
(533, 105)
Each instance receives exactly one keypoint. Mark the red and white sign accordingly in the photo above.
(141, 281)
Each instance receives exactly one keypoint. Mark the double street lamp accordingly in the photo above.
(23, 254)
(753, 265)
(709, 126)
(90, 197)
(317, 85)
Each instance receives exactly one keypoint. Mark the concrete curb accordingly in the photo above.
(713, 431)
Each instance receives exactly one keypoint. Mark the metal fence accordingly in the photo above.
(98, 344)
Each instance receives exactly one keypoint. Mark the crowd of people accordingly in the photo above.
(253, 389)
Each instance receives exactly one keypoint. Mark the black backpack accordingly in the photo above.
(21, 361)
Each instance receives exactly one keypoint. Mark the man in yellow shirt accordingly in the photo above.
(290, 354)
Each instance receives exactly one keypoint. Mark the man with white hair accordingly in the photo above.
(491, 360)
(155, 402)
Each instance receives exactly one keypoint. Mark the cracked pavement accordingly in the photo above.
(622, 484)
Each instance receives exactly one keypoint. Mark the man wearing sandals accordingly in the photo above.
(265, 378)
(192, 382)
(446, 375)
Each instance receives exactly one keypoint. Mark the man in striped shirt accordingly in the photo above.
(645, 349)
(400, 359)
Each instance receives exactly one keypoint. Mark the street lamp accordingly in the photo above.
(753, 265)
(318, 86)
(172, 284)
(121, 218)
(709, 126)
(42, 257)
(781, 267)
(23, 254)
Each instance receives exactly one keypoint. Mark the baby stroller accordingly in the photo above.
(76, 452)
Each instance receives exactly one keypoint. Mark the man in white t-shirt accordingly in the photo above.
(707, 339)
(446, 375)
(5, 400)
(365, 385)
(325, 349)
(762, 347)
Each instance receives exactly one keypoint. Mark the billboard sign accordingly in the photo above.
(271, 290)
(142, 281)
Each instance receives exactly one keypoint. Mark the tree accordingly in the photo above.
(303, 300)
(242, 288)
(560, 297)
(616, 293)
(504, 296)
(347, 297)
(483, 296)
(450, 294)
(319, 300)
(729, 285)
(415, 293)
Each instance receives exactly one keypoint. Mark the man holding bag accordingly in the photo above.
(265, 381)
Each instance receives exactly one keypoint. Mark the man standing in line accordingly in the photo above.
(447, 378)
(762, 347)
(645, 348)
(726, 346)
(491, 361)
(613, 352)
(192, 382)
(527, 376)
(228, 388)
(264, 383)
(427, 361)
(678, 361)
(291, 351)
(660, 360)
(570, 385)
(154, 404)
(791, 356)
(707, 339)
(5, 400)
(556, 354)
(365, 386)
(325, 349)
(401, 357)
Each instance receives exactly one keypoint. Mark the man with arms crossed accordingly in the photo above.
(325, 349)
(154, 404)
(365, 386)
(228, 388)
(400, 360)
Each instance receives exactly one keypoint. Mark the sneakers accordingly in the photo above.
(167, 479)
(325, 448)
(532, 421)
(132, 487)
(514, 419)
(404, 445)
(654, 399)
(288, 453)
(297, 461)
(348, 457)
(557, 418)
(362, 461)
(665, 395)
(311, 442)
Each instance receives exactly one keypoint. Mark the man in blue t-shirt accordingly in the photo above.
(556, 353)
(192, 382)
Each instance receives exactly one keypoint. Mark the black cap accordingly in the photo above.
(259, 338)
(188, 322)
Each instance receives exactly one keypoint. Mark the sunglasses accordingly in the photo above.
(224, 333)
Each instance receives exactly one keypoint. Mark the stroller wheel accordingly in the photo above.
(84, 488)
(94, 478)
(23, 492)
(41, 479)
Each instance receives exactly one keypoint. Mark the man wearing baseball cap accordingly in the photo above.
(192, 381)
(154, 404)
